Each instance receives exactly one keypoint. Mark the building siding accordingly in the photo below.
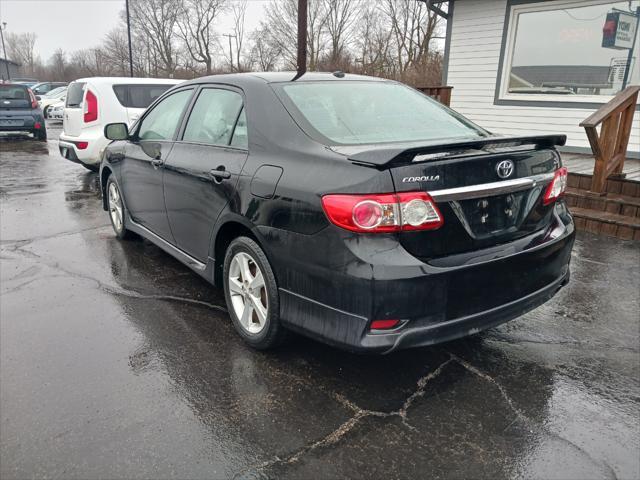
(474, 58)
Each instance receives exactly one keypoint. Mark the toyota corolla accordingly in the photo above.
(351, 209)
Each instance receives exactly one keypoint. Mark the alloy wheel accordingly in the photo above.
(115, 207)
(248, 292)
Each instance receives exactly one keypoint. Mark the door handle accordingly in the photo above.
(220, 174)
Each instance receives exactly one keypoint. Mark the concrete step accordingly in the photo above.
(605, 223)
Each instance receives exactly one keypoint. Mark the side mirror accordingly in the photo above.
(116, 131)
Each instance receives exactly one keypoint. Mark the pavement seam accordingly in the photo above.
(115, 290)
(527, 421)
(344, 428)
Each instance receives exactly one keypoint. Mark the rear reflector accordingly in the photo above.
(90, 107)
(379, 213)
(81, 145)
(37, 126)
(557, 186)
(384, 324)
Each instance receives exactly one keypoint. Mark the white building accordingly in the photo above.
(535, 67)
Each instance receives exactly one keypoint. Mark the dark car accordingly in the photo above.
(19, 111)
(350, 209)
(43, 88)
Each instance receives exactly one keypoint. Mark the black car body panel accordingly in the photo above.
(441, 284)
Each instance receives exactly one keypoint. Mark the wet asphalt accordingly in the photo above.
(116, 361)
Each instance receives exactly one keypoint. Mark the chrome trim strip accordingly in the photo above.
(166, 246)
(489, 189)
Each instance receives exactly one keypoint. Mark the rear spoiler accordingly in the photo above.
(385, 157)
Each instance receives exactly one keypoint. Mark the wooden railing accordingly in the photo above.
(441, 94)
(610, 145)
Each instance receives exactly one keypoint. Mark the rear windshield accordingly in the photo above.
(352, 113)
(138, 96)
(13, 92)
(75, 93)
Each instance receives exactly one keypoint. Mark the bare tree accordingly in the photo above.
(341, 17)
(413, 26)
(265, 52)
(195, 28)
(155, 21)
(373, 42)
(21, 49)
(281, 19)
(239, 10)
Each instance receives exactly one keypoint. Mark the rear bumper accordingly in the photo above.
(435, 303)
(27, 122)
(88, 156)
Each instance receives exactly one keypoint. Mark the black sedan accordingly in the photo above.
(351, 209)
(19, 111)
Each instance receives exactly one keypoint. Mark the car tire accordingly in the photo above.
(116, 209)
(40, 134)
(255, 311)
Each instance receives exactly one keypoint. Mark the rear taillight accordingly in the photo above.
(388, 212)
(32, 97)
(90, 107)
(557, 186)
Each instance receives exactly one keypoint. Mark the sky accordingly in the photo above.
(77, 24)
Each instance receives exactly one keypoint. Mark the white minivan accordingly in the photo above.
(94, 102)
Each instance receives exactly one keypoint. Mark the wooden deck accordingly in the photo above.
(583, 164)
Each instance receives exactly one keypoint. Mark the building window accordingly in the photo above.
(570, 51)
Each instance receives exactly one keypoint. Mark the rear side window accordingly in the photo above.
(162, 121)
(13, 92)
(213, 117)
(139, 96)
(75, 92)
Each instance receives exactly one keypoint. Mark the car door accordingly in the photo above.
(203, 168)
(144, 160)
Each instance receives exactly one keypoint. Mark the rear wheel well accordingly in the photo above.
(227, 233)
(104, 176)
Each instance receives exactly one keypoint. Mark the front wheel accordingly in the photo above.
(116, 210)
(251, 293)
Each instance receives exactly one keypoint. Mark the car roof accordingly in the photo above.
(282, 77)
(129, 80)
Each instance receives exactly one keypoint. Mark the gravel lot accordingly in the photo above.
(118, 361)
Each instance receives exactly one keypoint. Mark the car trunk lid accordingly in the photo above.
(489, 191)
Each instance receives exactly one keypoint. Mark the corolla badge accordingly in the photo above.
(505, 168)
(423, 178)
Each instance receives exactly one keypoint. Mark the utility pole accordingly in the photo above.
(230, 50)
(302, 39)
(129, 36)
(4, 49)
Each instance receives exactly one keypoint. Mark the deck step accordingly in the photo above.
(622, 186)
(605, 223)
(611, 202)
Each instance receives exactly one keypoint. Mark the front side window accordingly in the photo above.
(373, 112)
(213, 117)
(571, 49)
(161, 122)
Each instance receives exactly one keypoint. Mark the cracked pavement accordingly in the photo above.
(118, 361)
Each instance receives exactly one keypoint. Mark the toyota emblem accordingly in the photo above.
(505, 168)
